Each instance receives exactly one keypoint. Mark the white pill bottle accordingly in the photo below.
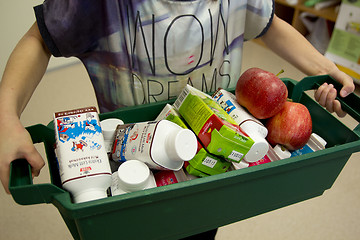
(132, 176)
(108, 127)
(162, 145)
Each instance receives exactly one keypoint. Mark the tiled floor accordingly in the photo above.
(333, 216)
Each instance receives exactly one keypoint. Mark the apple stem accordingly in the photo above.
(289, 100)
(281, 71)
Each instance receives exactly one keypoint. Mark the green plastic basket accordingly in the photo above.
(165, 212)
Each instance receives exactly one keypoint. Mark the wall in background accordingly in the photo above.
(16, 17)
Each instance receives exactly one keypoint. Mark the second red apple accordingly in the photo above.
(291, 127)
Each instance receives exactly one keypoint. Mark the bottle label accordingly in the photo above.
(80, 145)
(228, 102)
(265, 159)
(305, 149)
(163, 178)
(209, 162)
(134, 141)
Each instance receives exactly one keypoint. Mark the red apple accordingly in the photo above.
(261, 92)
(291, 127)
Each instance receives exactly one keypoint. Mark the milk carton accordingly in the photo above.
(83, 161)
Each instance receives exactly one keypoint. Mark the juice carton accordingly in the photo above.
(192, 172)
(169, 113)
(206, 163)
(248, 123)
(217, 131)
(203, 161)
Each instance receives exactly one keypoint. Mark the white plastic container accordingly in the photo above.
(108, 127)
(240, 165)
(270, 156)
(160, 144)
(132, 175)
(281, 151)
(249, 124)
(314, 144)
(83, 162)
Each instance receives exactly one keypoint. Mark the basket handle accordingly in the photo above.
(350, 104)
(21, 185)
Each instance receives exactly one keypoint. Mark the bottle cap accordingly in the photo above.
(258, 150)
(108, 127)
(133, 175)
(282, 152)
(172, 145)
(240, 165)
(181, 145)
(89, 195)
(320, 140)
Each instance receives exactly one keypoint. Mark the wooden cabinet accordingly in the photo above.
(291, 13)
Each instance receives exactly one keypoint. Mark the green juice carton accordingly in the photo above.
(169, 113)
(218, 132)
(204, 163)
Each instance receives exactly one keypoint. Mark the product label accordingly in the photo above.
(228, 102)
(236, 156)
(209, 162)
(80, 144)
(133, 141)
(163, 178)
(265, 159)
(191, 108)
(121, 140)
(301, 151)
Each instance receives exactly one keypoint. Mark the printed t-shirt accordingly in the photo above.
(142, 51)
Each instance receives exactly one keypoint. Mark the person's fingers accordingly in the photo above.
(322, 93)
(4, 175)
(330, 98)
(338, 109)
(36, 165)
(326, 96)
(35, 160)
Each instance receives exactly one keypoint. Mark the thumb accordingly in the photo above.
(36, 162)
(346, 81)
(345, 91)
(4, 176)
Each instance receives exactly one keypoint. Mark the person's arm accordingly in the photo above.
(289, 44)
(24, 70)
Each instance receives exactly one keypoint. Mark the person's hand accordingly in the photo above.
(327, 93)
(16, 143)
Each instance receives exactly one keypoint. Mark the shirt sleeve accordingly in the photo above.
(258, 18)
(69, 27)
